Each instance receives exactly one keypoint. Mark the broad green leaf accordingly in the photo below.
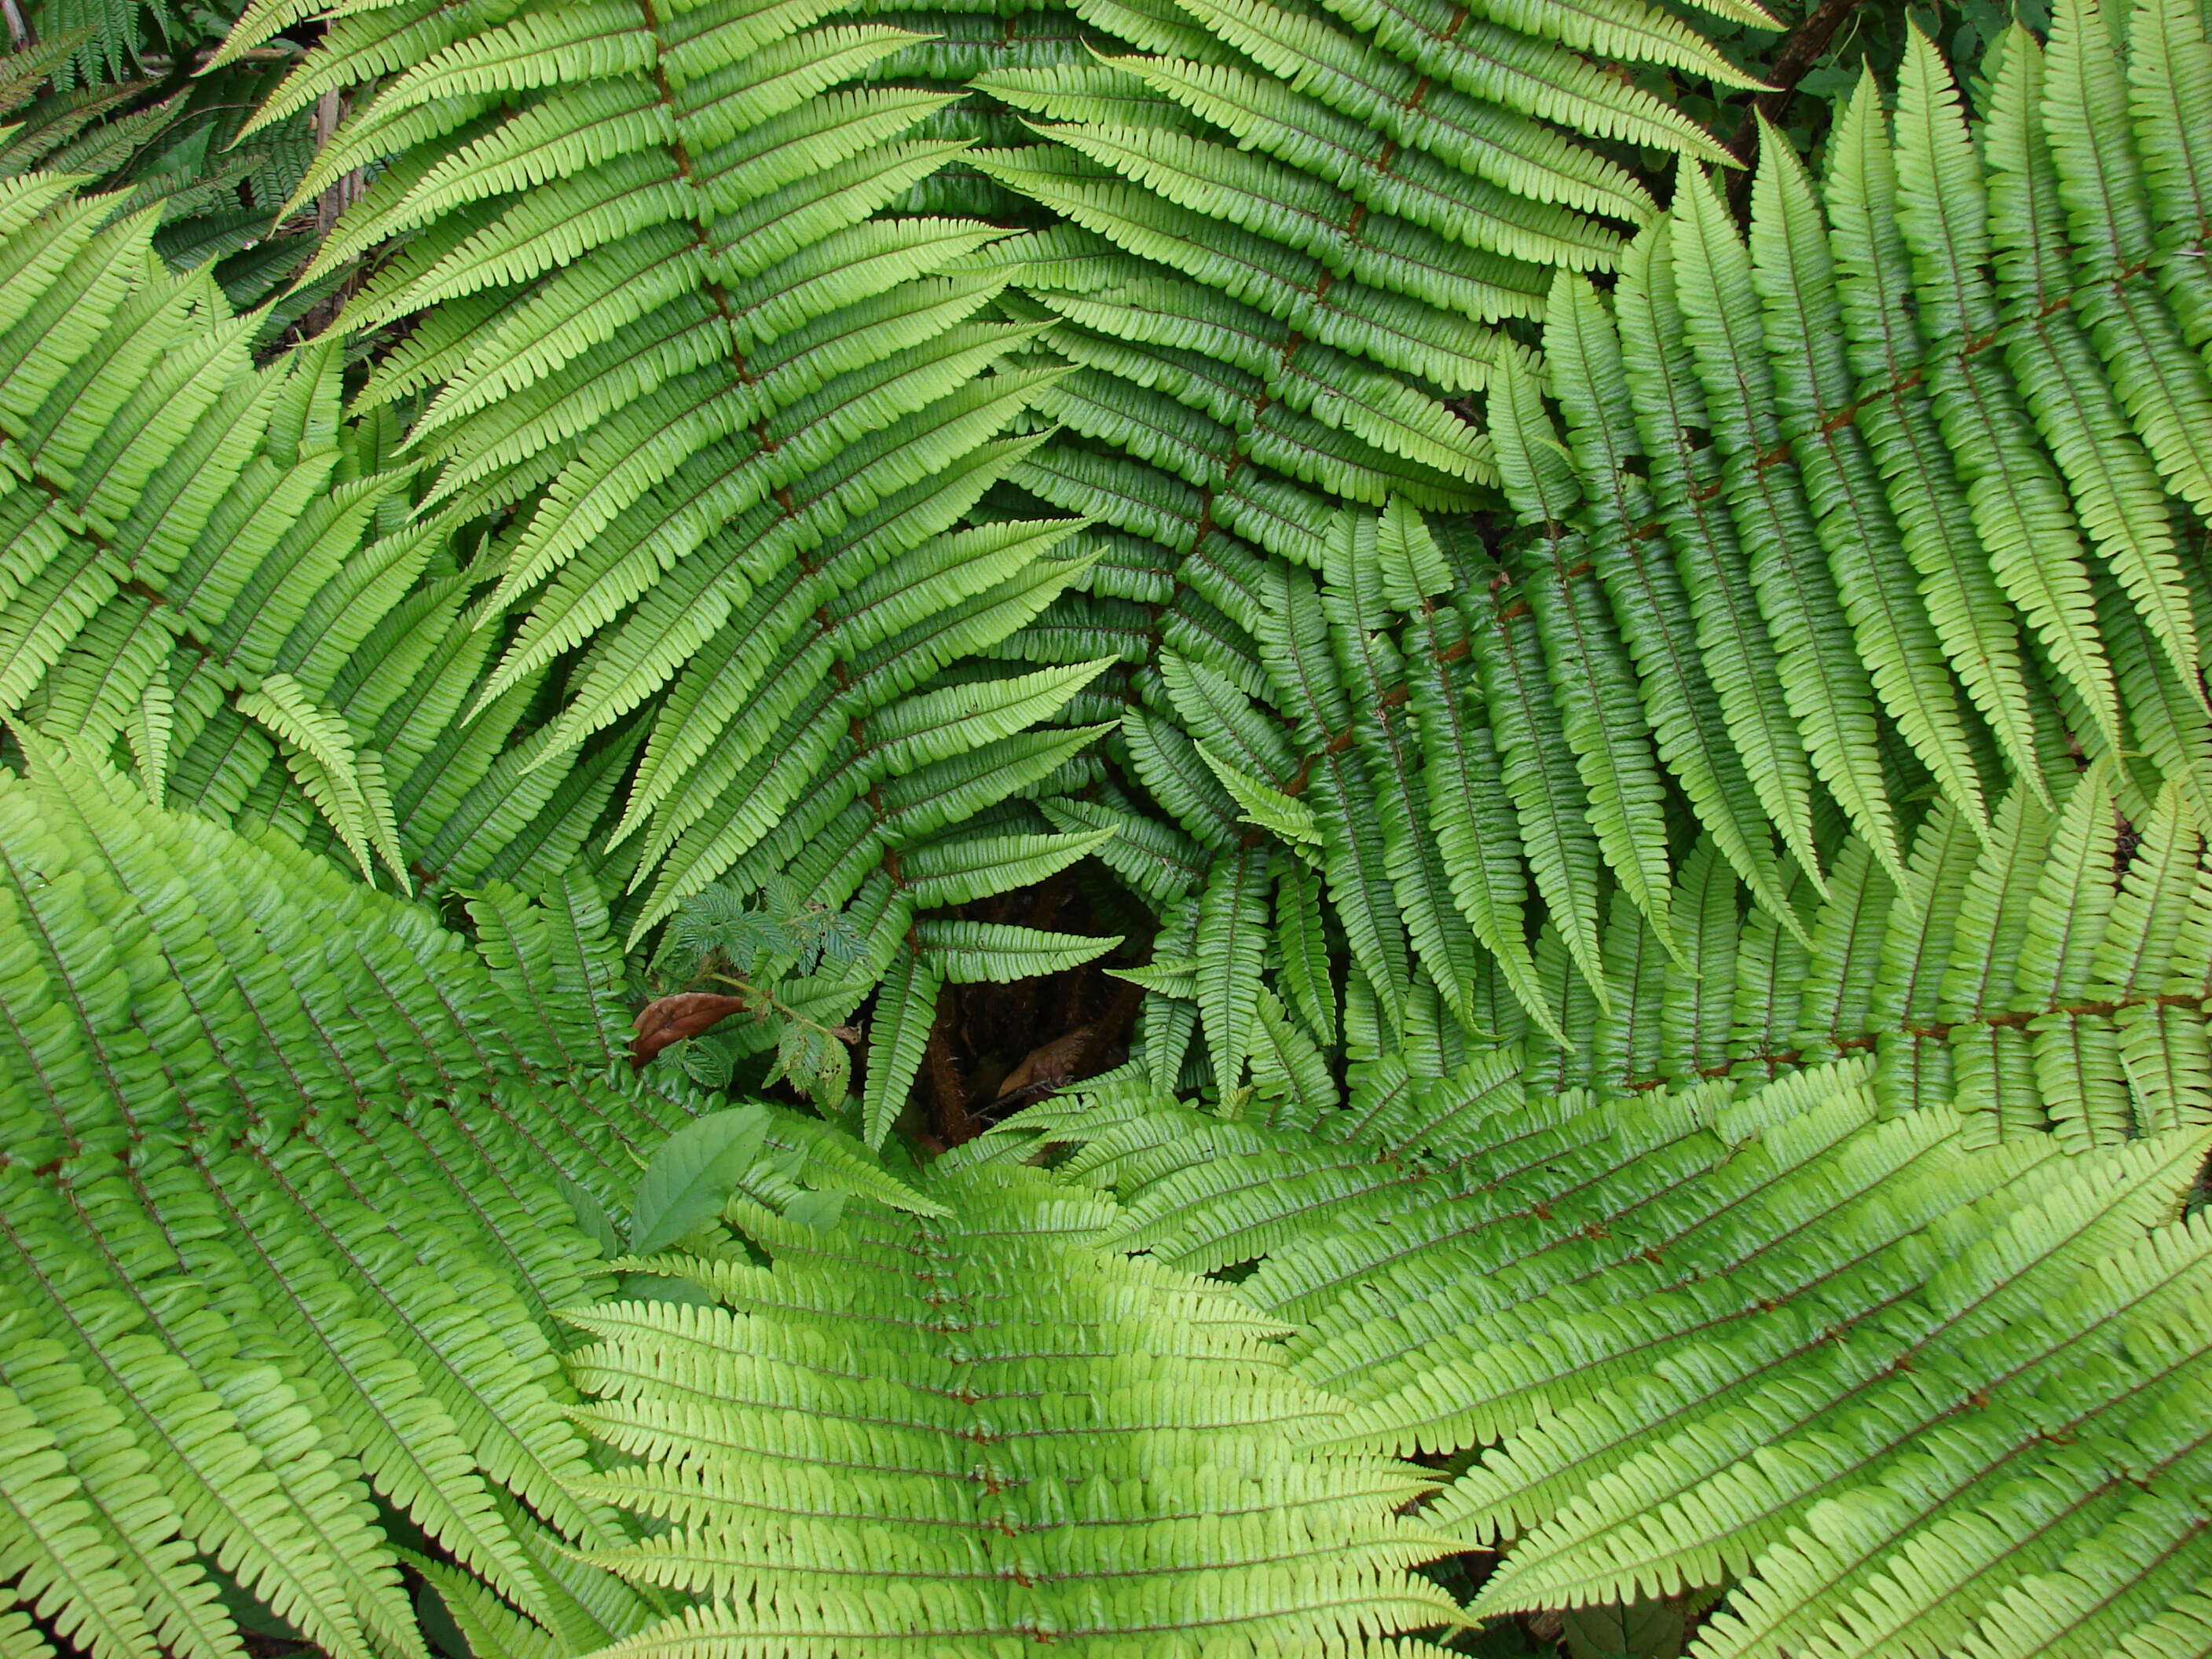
(692, 1174)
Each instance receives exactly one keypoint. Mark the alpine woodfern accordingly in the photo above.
(1852, 582)
(1902, 1395)
(1660, 753)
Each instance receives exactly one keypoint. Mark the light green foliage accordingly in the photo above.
(217, 580)
(1660, 754)
(1285, 229)
(194, 552)
(726, 419)
(284, 1226)
(1285, 236)
(691, 1174)
(986, 1432)
(1822, 536)
(1904, 1395)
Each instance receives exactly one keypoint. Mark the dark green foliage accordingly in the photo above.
(167, 141)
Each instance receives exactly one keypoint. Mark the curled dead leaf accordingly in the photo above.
(1047, 1066)
(672, 1018)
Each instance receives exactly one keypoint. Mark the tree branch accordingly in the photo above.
(1800, 50)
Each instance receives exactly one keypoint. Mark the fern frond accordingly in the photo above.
(328, 1260)
(666, 337)
(1735, 1334)
(939, 1488)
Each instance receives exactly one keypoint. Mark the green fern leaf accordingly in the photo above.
(1204, 1381)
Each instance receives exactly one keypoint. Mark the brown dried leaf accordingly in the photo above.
(1048, 1065)
(672, 1018)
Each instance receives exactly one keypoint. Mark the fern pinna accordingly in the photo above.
(987, 1433)
(1287, 236)
(216, 579)
(272, 616)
